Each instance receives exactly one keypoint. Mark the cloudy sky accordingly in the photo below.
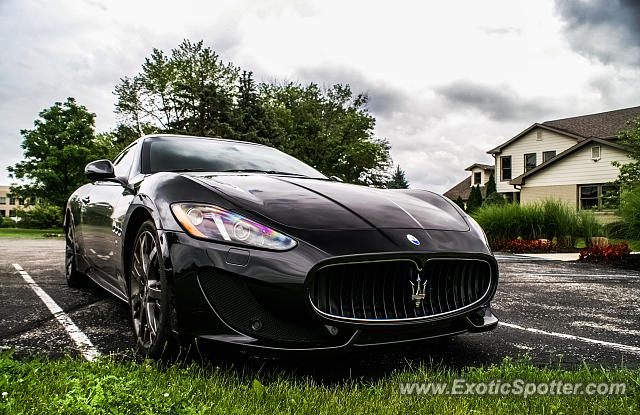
(447, 80)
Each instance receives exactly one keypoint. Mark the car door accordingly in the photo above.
(101, 218)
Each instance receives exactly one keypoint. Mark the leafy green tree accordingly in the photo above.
(40, 216)
(398, 180)
(491, 185)
(190, 92)
(56, 150)
(494, 198)
(629, 174)
(330, 129)
(459, 202)
(475, 199)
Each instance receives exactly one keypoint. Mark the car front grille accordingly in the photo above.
(388, 290)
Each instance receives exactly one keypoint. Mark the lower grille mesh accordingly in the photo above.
(384, 290)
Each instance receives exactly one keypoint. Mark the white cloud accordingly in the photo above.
(404, 54)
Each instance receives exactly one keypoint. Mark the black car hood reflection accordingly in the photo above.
(319, 204)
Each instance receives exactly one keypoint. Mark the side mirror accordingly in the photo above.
(100, 170)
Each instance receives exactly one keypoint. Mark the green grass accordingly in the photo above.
(20, 233)
(70, 386)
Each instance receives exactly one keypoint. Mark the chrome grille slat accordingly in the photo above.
(381, 290)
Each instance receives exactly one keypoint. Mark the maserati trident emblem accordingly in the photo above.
(418, 291)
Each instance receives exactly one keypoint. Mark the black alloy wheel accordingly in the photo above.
(149, 294)
(74, 278)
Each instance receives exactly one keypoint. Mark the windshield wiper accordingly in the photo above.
(262, 171)
(181, 170)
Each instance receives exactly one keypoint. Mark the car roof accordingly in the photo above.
(152, 136)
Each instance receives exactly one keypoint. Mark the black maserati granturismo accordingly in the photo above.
(236, 242)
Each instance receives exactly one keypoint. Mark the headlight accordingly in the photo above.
(216, 223)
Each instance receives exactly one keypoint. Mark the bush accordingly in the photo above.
(525, 246)
(547, 220)
(605, 254)
(494, 198)
(40, 216)
(630, 212)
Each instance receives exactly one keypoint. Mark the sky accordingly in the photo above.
(447, 81)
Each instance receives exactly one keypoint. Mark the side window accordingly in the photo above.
(122, 163)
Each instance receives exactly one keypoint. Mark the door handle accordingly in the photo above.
(86, 200)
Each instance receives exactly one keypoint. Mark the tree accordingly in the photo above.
(42, 216)
(398, 180)
(459, 202)
(191, 91)
(56, 150)
(491, 185)
(494, 198)
(629, 174)
(475, 199)
(332, 130)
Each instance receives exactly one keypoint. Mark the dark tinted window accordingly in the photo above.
(122, 163)
(548, 155)
(529, 161)
(505, 164)
(477, 178)
(200, 154)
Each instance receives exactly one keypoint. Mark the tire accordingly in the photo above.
(74, 278)
(150, 296)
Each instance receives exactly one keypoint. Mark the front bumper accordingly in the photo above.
(260, 299)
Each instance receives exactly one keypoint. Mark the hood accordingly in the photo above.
(318, 204)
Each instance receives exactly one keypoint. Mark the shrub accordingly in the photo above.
(630, 212)
(605, 254)
(494, 198)
(41, 216)
(519, 246)
(589, 226)
(548, 220)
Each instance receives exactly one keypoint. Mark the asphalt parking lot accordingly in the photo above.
(562, 313)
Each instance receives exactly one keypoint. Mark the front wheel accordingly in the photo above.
(149, 295)
(74, 278)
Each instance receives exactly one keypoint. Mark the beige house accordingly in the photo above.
(480, 174)
(568, 159)
(8, 203)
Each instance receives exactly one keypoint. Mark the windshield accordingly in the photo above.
(210, 155)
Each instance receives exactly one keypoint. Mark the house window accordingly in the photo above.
(12, 200)
(548, 155)
(477, 178)
(3, 200)
(505, 164)
(3, 213)
(529, 161)
(12, 213)
(21, 201)
(595, 196)
(595, 153)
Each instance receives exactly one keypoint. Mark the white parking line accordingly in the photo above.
(80, 339)
(623, 347)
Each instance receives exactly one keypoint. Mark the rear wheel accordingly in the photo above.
(74, 278)
(149, 295)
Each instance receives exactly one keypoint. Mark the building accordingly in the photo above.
(8, 203)
(569, 159)
(480, 174)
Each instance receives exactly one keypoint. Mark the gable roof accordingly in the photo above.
(520, 180)
(463, 189)
(481, 166)
(603, 125)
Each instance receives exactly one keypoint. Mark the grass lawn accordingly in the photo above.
(70, 386)
(20, 233)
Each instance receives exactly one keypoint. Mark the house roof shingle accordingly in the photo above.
(481, 166)
(463, 189)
